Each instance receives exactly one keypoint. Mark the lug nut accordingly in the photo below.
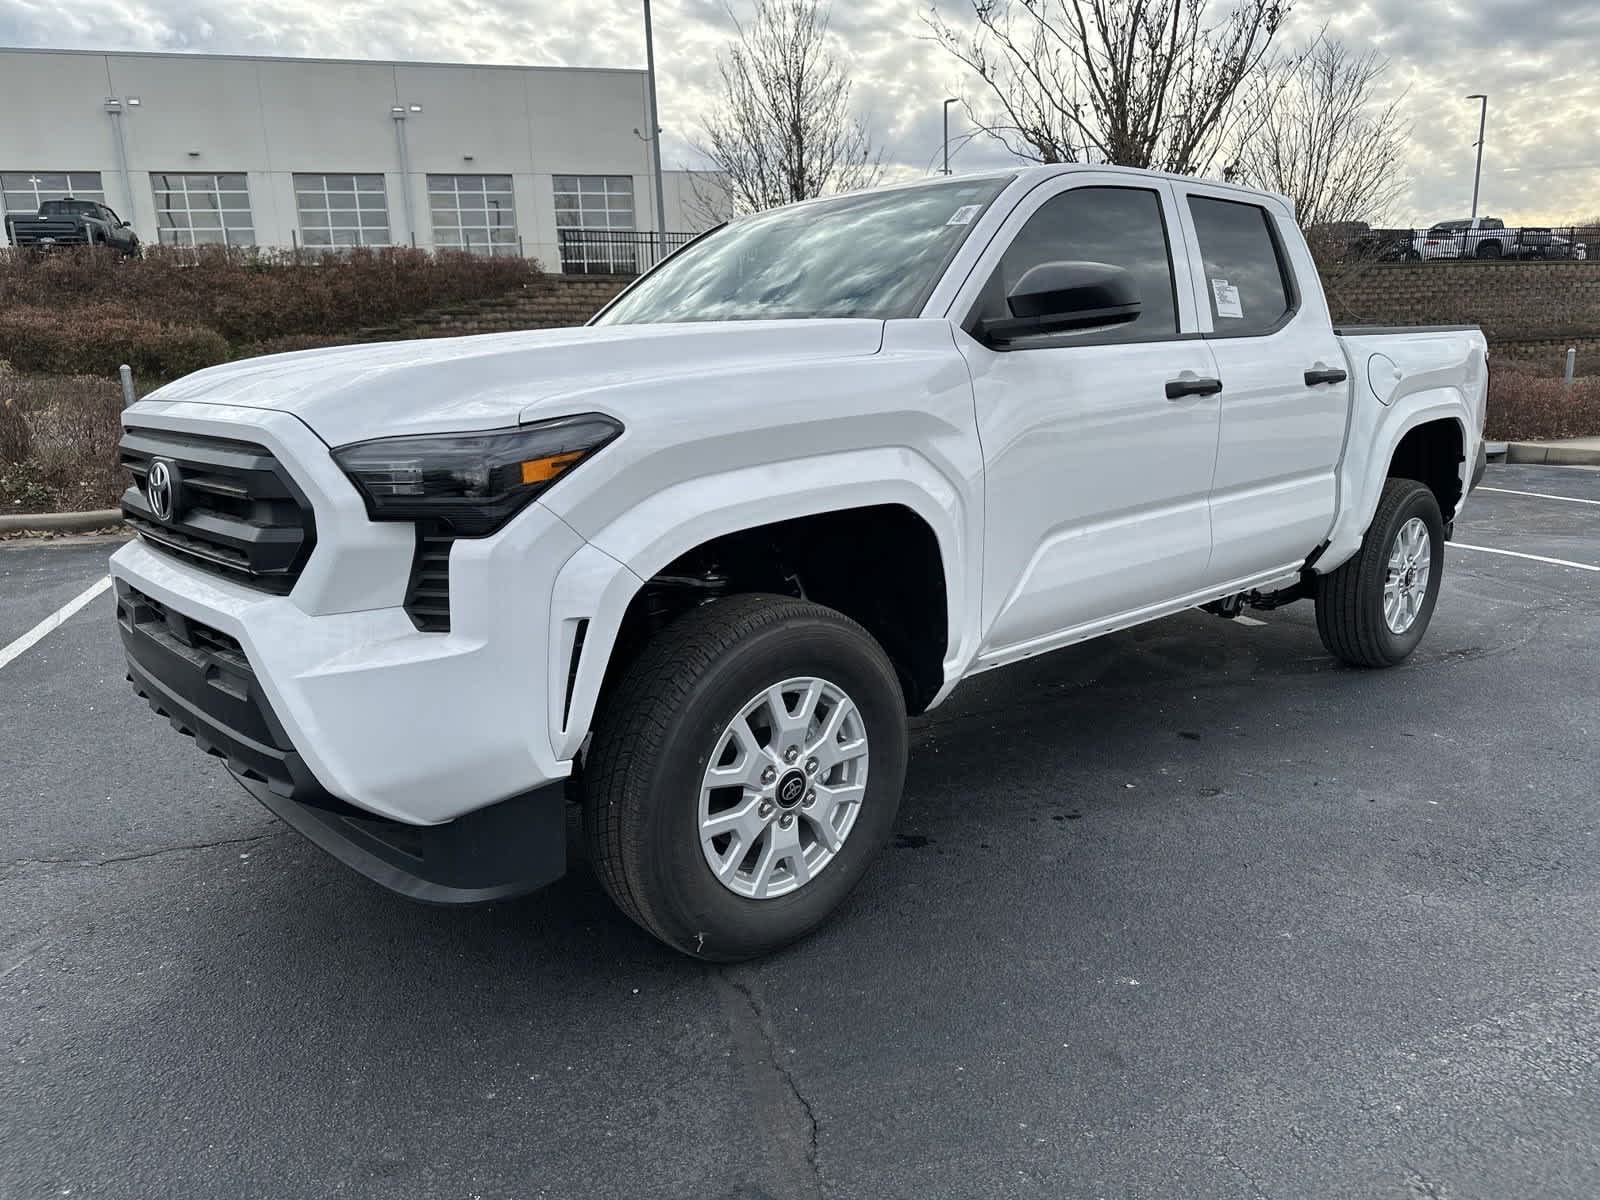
(765, 810)
(786, 820)
(811, 798)
(811, 766)
(769, 774)
(792, 753)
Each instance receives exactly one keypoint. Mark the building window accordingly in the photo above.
(24, 191)
(203, 210)
(601, 206)
(594, 201)
(473, 213)
(342, 210)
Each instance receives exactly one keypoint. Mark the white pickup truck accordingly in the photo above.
(693, 565)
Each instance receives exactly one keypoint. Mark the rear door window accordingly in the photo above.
(1247, 280)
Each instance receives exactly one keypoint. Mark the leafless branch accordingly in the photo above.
(784, 129)
(1141, 83)
(1319, 135)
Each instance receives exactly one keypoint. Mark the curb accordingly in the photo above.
(78, 522)
(1552, 454)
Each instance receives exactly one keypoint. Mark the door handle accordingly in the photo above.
(1177, 389)
(1325, 375)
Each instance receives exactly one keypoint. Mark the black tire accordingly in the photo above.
(659, 726)
(1489, 250)
(1350, 599)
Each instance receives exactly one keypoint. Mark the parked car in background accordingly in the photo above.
(70, 222)
(1546, 243)
(1356, 241)
(1479, 237)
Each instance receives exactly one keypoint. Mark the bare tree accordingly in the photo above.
(1319, 134)
(784, 130)
(1140, 83)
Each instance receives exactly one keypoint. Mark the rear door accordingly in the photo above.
(1285, 398)
(1097, 480)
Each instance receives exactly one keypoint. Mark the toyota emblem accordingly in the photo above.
(159, 488)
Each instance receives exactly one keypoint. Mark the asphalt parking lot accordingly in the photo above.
(1190, 911)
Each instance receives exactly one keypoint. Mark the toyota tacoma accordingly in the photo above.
(692, 566)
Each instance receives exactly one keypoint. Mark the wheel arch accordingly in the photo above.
(912, 514)
(1433, 410)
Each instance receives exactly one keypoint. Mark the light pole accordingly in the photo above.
(947, 104)
(655, 136)
(1483, 116)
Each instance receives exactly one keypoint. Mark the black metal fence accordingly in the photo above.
(614, 251)
(1451, 242)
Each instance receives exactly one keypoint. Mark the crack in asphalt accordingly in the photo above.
(752, 1032)
(1255, 1184)
(184, 848)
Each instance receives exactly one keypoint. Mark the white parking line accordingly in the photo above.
(1537, 495)
(1559, 562)
(36, 634)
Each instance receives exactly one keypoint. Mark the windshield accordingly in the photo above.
(875, 255)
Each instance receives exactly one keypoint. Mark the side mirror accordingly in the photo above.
(1061, 297)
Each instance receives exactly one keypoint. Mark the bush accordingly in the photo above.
(58, 443)
(243, 297)
(97, 339)
(1524, 406)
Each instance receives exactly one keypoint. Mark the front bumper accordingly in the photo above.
(200, 679)
(417, 727)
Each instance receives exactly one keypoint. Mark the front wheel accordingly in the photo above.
(1373, 610)
(744, 772)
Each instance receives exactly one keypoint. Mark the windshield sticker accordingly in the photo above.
(1226, 298)
(964, 214)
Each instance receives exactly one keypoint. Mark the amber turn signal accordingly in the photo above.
(537, 470)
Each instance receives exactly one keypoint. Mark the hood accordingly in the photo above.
(351, 393)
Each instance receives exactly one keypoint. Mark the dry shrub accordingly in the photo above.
(65, 457)
(97, 339)
(248, 297)
(1524, 406)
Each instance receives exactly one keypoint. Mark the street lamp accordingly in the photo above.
(1483, 116)
(655, 135)
(947, 104)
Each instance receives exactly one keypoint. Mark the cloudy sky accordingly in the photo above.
(1537, 61)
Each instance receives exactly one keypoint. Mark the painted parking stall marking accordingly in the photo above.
(35, 635)
(1559, 562)
(1539, 495)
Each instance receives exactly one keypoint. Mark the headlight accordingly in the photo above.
(473, 481)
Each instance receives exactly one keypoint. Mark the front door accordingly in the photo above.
(1097, 480)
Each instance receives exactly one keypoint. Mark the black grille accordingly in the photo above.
(199, 678)
(428, 592)
(236, 511)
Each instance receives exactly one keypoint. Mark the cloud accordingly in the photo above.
(1541, 162)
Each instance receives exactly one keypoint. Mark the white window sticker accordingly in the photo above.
(1226, 297)
(964, 214)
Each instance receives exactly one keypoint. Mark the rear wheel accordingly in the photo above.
(1488, 249)
(1373, 610)
(744, 773)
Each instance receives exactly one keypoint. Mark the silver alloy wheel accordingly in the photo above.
(1405, 583)
(784, 787)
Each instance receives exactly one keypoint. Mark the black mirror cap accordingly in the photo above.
(1058, 297)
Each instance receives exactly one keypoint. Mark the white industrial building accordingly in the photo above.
(281, 152)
